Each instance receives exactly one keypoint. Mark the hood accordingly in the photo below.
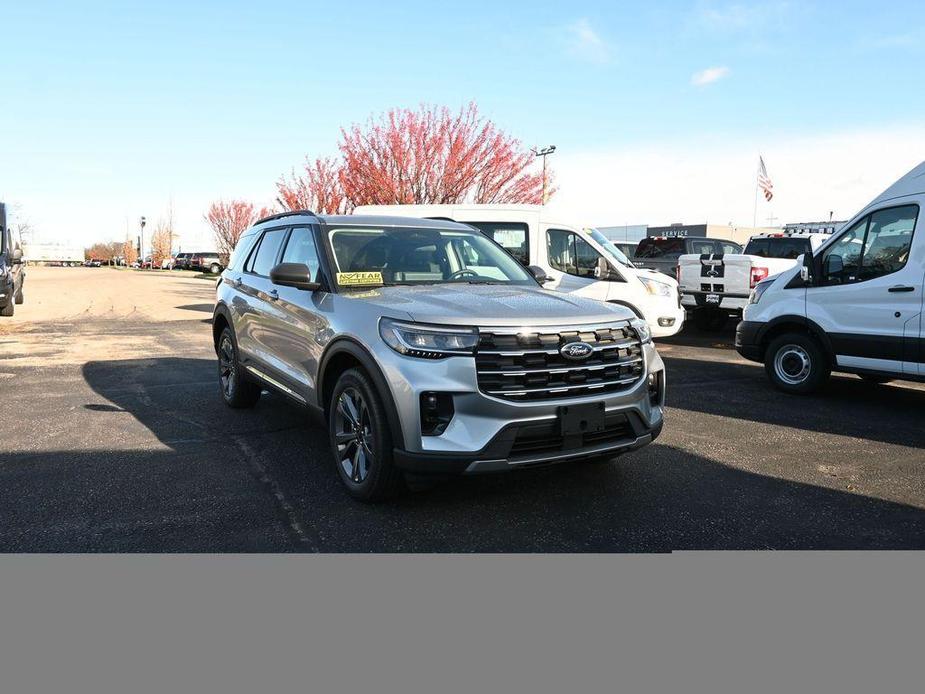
(470, 304)
(655, 275)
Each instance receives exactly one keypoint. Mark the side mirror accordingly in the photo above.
(16, 257)
(293, 275)
(539, 273)
(605, 272)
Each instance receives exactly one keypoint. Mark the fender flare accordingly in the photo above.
(808, 324)
(358, 351)
(626, 304)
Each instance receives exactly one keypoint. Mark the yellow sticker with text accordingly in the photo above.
(359, 279)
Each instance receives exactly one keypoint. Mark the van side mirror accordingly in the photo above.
(539, 273)
(16, 256)
(296, 275)
(806, 270)
(605, 272)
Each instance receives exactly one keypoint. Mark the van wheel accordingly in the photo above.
(214, 268)
(361, 442)
(237, 391)
(876, 380)
(796, 364)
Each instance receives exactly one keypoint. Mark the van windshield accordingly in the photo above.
(607, 245)
(408, 255)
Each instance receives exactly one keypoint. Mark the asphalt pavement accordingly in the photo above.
(113, 438)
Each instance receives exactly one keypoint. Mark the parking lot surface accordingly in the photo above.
(114, 438)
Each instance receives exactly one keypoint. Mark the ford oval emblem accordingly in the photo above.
(576, 351)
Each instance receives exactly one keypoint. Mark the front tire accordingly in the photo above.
(237, 391)
(796, 364)
(360, 438)
(8, 310)
(19, 298)
(214, 268)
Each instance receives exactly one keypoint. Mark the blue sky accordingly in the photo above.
(112, 111)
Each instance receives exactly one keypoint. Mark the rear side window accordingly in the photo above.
(511, 236)
(263, 259)
(704, 248)
(757, 247)
(729, 247)
(237, 255)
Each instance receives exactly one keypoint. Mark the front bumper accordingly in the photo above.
(748, 340)
(627, 432)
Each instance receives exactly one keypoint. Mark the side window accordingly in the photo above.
(889, 238)
(511, 236)
(758, 247)
(841, 260)
(560, 246)
(703, 248)
(732, 248)
(301, 249)
(875, 246)
(240, 250)
(264, 256)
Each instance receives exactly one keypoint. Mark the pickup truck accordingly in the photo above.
(714, 286)
(661, 253)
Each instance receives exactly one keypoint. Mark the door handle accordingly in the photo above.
(901, 288)
(273, 294)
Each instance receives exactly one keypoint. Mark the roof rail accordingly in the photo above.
(280, 215)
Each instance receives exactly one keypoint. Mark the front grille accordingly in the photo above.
(528, 365)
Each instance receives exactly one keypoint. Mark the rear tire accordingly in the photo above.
(360, 438)
(19, 297)
(8, 310)
(796, 364)
(237, 391)
(215, 268)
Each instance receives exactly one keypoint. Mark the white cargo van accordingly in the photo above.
(715, 286)
(574, 258)
(854, 305)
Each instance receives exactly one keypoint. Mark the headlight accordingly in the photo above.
(657, 288)
(758, 291)
(427, 341)
(642, 330)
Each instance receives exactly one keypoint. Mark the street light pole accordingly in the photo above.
(544, 152)
(141, 249)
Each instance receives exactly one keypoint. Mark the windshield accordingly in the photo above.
(607, 245)
(408, 255)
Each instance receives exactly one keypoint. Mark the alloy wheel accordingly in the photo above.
(353, 435)
(226, 365)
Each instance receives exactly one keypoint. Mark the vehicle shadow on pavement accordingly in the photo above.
(846, 406)
(262, 480)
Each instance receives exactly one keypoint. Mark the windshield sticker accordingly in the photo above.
(359, 279)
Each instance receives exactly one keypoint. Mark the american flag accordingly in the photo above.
(763, 181)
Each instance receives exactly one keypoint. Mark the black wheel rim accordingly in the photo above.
(353, 435)
(226, 365)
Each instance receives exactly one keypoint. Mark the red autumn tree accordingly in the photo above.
(317, 188)
(434, 156)
(229, 220)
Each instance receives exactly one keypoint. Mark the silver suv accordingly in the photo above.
(429, 350)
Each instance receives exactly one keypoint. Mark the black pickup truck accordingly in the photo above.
(661, 253)
(12, 274)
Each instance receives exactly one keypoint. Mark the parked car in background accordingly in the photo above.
(182, 261)
(853, 305)
(93, 262)
(574, 259)
(661, 253)
(12, 272)
(628, 248)
(715, 287)
(206, 262)
(429, 350)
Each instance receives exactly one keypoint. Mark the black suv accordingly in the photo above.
(12, 274)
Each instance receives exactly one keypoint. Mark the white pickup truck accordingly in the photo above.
(715, 286)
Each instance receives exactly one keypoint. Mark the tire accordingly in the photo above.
(214, 269)
(8, 310)
(796, 364)
(360, 439)
(19, 298)
(236, 390)
(875, 380)
(710, 320)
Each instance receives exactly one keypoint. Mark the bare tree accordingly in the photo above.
(229, 220)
